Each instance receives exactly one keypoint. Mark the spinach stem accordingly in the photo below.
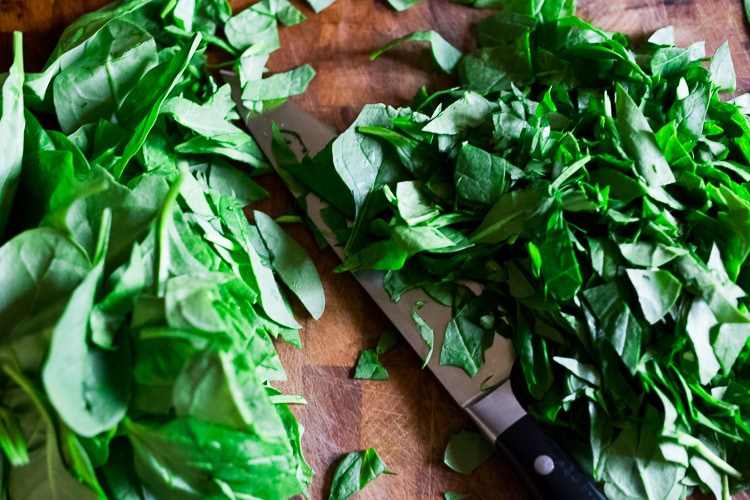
(164, 223)
(704, 451)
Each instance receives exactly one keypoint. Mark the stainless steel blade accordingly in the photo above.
(487, 396)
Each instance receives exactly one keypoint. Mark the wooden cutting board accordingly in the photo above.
(409, 418)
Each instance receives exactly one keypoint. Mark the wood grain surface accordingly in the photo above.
(410, 417)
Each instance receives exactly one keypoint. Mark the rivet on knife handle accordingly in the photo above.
(548, 470)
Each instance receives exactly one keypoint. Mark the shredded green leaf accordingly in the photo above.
(598, 194)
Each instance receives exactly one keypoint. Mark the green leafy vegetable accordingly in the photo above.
(445, 54)
(468, 334)
(11, 127)
(144, 101)
(368, 364)
(256, 28)
(354, 472)
(369, 367)
(402, 4)
(466, 451)
(142, 305)
(278, 86)
(87, 385)
(597, 195)
(427, 334)
(450, 495)
(292, 264)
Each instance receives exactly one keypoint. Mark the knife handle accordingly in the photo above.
(547, 470)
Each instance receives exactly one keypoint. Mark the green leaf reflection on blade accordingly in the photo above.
(466, 451)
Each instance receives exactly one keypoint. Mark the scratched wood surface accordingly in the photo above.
(409, 418)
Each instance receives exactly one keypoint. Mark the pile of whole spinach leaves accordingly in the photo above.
(599, 195)
(139, 304)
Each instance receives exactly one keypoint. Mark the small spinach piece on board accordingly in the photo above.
(355, 471)
(368, 363)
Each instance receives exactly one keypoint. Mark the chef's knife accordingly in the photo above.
(547, 471)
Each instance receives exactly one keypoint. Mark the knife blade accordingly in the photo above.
(544, 467)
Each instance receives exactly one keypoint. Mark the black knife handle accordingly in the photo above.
(547, 470)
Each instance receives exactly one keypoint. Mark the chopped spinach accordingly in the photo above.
(598, 194)
(355, 471)
(368, 364)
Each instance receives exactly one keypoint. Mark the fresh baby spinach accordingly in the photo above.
(141, 304)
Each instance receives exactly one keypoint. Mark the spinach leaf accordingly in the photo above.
(253, 268)
(201, 119)
(365, 166)
(70, 46)
(481, 178)
(143, 305)
(292, 264)
(143, 103)
(95, 85)
(355, 471)
(446, 55)
(256, 27)
(368, 364)
(468, 334)
(11, 439)
(402, 4)
(11, 126)
(657, 291)
(639, 139)
(189, 456)
(222, 177)
(427, 334)
(450, 495)
(87, 385)
(46, 446)
(216, 387)
(369, 367)
(722, 69)
(259, 94)
(39, 267)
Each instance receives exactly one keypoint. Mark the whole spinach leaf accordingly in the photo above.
(88, 386)
(11, 126)
(88, 86)
(292, 264)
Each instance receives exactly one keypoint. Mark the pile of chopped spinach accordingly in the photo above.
(599, 194)
(139, 304)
